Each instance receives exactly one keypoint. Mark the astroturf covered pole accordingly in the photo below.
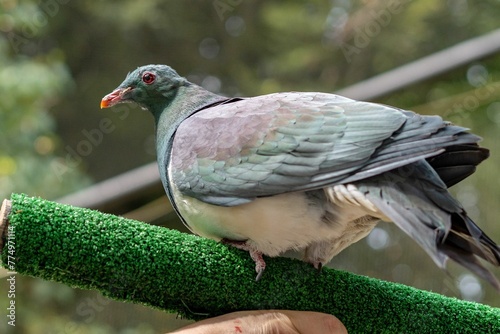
(196, 277)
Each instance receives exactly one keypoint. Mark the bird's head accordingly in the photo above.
(152, 87)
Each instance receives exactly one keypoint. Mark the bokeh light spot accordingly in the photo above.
(209, 48)
(378, 238)
(470, 288)
(44, 145)
(235, 26)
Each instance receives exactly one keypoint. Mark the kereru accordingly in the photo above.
(308, 171)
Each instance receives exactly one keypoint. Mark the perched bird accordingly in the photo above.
(309, 171)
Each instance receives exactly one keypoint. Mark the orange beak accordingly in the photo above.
(114, 97)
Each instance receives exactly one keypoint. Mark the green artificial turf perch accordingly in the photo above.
(196, 277)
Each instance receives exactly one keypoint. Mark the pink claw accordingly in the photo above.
(256, 255)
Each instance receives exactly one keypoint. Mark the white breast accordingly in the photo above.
(271, 224)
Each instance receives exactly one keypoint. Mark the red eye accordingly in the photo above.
(148, 78)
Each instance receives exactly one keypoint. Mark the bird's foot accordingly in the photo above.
(318, 265)
(256, 255)
(317, 254)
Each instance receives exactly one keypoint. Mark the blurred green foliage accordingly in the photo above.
(30, 87)
(59, 57)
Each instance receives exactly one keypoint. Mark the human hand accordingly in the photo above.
(267, 322)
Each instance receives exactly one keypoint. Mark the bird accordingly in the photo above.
(309, 171)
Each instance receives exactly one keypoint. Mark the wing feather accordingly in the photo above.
(232, 153)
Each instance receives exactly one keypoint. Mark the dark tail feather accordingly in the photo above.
(468, 236)
(465, 241)
(458, 162)
(422, 207)
(470, 262)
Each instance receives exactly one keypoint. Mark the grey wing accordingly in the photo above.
(230, 154)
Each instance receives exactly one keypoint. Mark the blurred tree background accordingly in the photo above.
(58, 58)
